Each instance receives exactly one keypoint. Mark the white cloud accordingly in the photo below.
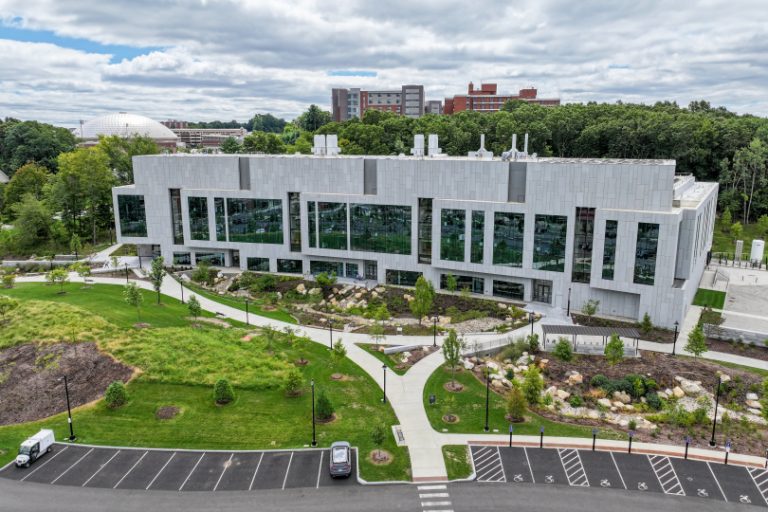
(224, 59)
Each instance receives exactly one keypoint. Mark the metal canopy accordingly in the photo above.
(583, 330)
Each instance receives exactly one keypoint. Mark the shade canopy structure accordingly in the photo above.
(590, 347)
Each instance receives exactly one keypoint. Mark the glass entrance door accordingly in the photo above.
(542, 291)
(371, 270)
(235, 258)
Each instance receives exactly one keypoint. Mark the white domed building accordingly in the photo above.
(126, 125)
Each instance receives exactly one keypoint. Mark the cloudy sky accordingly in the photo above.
(65, 60)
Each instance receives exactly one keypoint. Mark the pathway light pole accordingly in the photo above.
(69, 410)
(434, 331)
(181, 283)
(511, 429)
(330, 332)
(247, 321)
(126, 273)
(314, 439)
(384, 368)
(712, 441)
(594, 438)
(687, 444)
(487, 392)
(631, 435)
(674, 340)
(568, 311)
(530, 320)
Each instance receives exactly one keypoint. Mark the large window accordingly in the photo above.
(609, 249)
(198, 218)
(402, 277)
(425, 230)
(258, 264)
(220, 218)
(133, 217)
(473, 284)
(289, 266)
(582, 245)
(452, 223)
(508, 290)
(312, 223)
(212, 258)
(177, 222)
(294, 221)
(329, 267)
(508, 234)
(182, 258)
(332, 218)
(645, 252)
(380, 228)
(478, 234)
(549, 242)
(255, 220)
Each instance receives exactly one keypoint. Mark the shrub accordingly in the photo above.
(9, 279)
(116, 396)
(324, 280)
(653, 401)
(324, 409)
(516, 405)
(632, 424)
(614, 350)
(700, 415)
(646, 325)
(576, 401)
(547, 400)
(590, 307)
(563, 350)
(293, 382)
(533, 343)
(598, 381)
(532, 385)
(246, 280)
(223, 392)
(515, 350)
(202, 274)
(7, 304)
(264, 283)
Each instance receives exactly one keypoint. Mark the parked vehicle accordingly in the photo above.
(341, 459)
(34, 448)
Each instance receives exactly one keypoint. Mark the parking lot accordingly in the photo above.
(170, 470)
(643, 473)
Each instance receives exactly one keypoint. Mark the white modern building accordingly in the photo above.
(629, 233)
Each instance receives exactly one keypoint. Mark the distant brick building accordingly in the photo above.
(485, 99)
(350, 103)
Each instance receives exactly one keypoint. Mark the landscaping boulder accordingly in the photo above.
(678, 392)
(593, 414)
(301, 289)
(563, 395)
(497, 384)
(691, 387)
(358, 295)
(551, 391)
(604, 402)
(752, 396)
(492, 366)
(468, 364)
(756, 412)
(753, 404)
(622, 396)
(314, 291)
(575, 378)
(379, 289)
(523, 359)
(501, 305)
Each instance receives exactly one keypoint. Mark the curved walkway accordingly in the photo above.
(405, 393)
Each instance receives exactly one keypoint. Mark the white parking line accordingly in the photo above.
(41, 466)
(760, 479)
(433, 495)
(666, 475)
(102, 467)
(287, 470)
(574, 469)
(618, 470)
(193, 470)
(319, 470)
(504, 473)
(530, 468)
(70, 467)
(161, 470)
(435, 503)
(257, 470)
(431, 487)
(717, 482)
(226, 466)
(129, 471)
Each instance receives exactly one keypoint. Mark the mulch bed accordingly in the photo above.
(744, 350)
(451, 418)
(327, 420)
(453, 387)
(167, 412)
(656, 334)
(30, 379)
(380, 457)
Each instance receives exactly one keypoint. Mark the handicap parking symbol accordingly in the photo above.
(549, 479)
(605, 483)
(745, 499)
(642, 486)
(518, 478)
(703, 493)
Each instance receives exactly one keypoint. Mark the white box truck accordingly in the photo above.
(34, 448)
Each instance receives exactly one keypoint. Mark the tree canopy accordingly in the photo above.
(22, 142)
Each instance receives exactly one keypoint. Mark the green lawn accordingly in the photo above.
(709, 298)
(106, 300)
(470, 407)
(239, 303)
(457, 461)
(384, 358)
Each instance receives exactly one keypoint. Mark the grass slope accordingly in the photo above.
(238, 303)
(457, 461)
(384, 358)
(709, 298)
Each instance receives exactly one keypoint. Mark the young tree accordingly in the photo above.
(697, 342)
(563, 350)
(614, 350)
(338, 353)
(133, 296)
(324, 409)
(423, 296)
(156, 274)
(516, 405)
(452, 353)
(293, 382)
(762, 224)
(28, 179)
(300, 344)
(194, 308)
(376, 329)
(533, 343)
(270, 335)
(116, 395)
(590, 307)
(75, 245)
(81, 268)
(646, 326)
(60, 276)
(33, 222)
(378, 436)
(223, 393)
(230, 145)
(726, 221)
(451, 283)
(737, 230)
(532, 385)
(9, 279)
(7, 304)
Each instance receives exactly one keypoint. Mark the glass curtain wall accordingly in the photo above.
(549, 242)
(508, 235)
(329, 267)
(452, 228)
(255, 220)
(609, 248)
(176, 219)
(258, 264)
(289, 266)
(645, 253)
(332, 219)
(508, 290)
(198, 218)
(133, 216)
(182, 258)
(478, 237)
(380, 228)
(212, 258)
(402, 277)
(425, 230)
(582, 245)
(220, 218)
(312, 223)
(294, 221)
(473, 284)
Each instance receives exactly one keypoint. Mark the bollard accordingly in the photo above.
(631, 435)
(687, 443)
(541, 438)
(727, 450)
(511, 429)
(594, 438)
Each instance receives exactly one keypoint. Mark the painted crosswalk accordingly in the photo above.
(666, 475)
(574, 469)
(488, 465)
(760, 477)
(435, 498)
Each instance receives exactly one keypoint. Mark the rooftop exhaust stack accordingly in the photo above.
(481, 153)
(418, 145)
(318, 149)
(433, 149)
(332, 145)
(513, 153)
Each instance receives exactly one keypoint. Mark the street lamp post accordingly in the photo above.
(487, 393)
(330, 332)
(384, 367)
(434, 331)
(594, 438)
(530, 320)
(314, 439)
(247, 320)
(674, 340)
(568, 311)
(69, 410)
(181, 283)
(126, 273)
(712, 441)
(137, 252)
